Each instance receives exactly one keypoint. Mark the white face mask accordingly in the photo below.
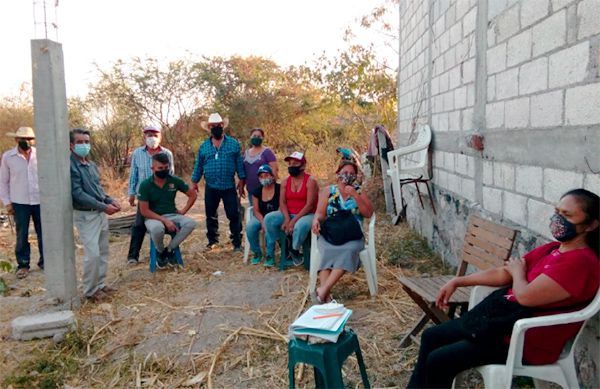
(152, 142)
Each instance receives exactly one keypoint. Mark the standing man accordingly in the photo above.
(20, 194)
(219, 159)
(141, 169)
(90, 207)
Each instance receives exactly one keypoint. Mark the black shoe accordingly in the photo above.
(172, 258)
(296, 257)
(237, 249)
(162, 259)
(41, 266)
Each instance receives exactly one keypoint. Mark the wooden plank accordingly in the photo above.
(500, 252)
(492, 238)
(495, 228)
(427, 288)
(475, 261)
(483, 255)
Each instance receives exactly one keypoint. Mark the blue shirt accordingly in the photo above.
(141, 167)
(86, 190)
(219, 166)
(335, 203)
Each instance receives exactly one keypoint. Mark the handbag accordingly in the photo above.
(341, 227)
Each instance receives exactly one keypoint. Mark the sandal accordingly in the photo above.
(22, 273)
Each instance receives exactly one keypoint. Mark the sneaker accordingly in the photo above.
(22, 273)
(269, 262)
(256, 260)
(172, 258)
(237, 249)
(109, 290)
(297, 257)
(162, 260)
(98, 297)
(132, 261)
(41, 266)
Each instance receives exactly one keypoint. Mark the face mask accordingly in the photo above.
(162, 173)
(152, 142)
(82, 149)
(24, 145)
(347, 178)
(294, 170)
(266, 181)
(562, 229)
(217, 132)
(256, 141)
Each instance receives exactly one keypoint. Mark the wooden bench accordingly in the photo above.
(486, 245)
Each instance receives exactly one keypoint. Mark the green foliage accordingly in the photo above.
(6, 266)
(3, 287)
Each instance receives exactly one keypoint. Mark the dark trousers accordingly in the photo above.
(212, 198)
(23, 213)
(445, 352)
(138, 231)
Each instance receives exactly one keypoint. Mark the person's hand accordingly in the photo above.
(179, 212)
(170, 226)
(264, 226)
(10, 210)
(351, 191)
(132, 200)
(516, 267)
(116, 204)
(316, 226)
(195, 186)
(290, 226)
(284, 225)
(240, 189)
(445, 293)
(111, 209)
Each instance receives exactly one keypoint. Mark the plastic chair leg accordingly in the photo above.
(315, 262)
(291, 377)
(362, 367)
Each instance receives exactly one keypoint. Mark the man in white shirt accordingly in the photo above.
(20, 194)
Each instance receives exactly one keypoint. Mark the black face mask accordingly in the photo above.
(294, 170)
(162, 173)
(217, 132)
(24, 145)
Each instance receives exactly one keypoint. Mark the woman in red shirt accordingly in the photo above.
(561, 276)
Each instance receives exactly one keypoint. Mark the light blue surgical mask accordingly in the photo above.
(82, 149)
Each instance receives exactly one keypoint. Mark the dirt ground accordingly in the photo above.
(215, 323)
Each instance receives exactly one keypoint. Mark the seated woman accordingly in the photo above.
(336, 260)
(555, 277)
(297, 204)
(265, 199)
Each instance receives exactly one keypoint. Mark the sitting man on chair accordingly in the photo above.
(156, 196)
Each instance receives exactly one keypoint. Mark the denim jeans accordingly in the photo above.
(253, 228)
(273, 222)
(212, 198)
(138, 231)
(23, 213)
(157, 230)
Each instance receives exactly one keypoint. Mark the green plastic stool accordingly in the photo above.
(283, 262)
(327, 360)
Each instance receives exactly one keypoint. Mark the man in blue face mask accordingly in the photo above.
(91, 205)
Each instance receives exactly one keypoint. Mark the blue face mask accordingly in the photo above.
(82, 149)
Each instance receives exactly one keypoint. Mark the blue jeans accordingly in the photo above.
(253, 228)
(273, 222)
(23, 213)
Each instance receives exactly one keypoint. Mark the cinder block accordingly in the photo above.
(470, 95)
(558, 4)
(467, 189)
(518, 48)
(449, 101)
(467, 119)
(443, 179)
(547, 109)
(443, 82)
(588, 13)
(455, 33)
(569, 66)
(443, 121)
(439, 26)
(591, 182)
(507, 24)
(461, 9)
(507, 83)
(581, 105)
(557, 182)
(461, 164)
(460, 97)
(454, 183)
(438, 157)
(533, 76)
(515, 208)
(529, 180)
(516, 113)
(449, 162)
(491, 88)
(469, 22)
(538, 217)
(470, 166)
(488, 173)
(532, 11)
(42, 325)
(454, 77)
(454, 121)
(494, 115)
(468, 71)
(492, 200)
(496, 59)
(496, 7)
(550, 33)
(504, 175)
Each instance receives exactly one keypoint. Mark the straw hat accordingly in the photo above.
(22, 132)
(214, 118)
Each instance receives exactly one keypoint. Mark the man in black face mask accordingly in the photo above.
(219, 160)
(157, 204)
(20, 194)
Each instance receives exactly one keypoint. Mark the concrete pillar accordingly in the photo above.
(52, 133)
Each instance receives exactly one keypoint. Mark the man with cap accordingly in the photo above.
(20, 194)
(141, 169)
(219, 160)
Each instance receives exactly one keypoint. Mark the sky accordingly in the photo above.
(290, 32)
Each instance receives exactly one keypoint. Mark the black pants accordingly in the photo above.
(212, 198)
(445, 352)
(138, 232)
(23, 214)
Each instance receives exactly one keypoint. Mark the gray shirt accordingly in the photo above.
(86, 190)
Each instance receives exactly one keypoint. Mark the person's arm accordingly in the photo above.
(4, 182)
(198, 168)
(321, 212)
(364, 204)
(541, 291)
(240, 170)
(192, 196)
(256, 210)
(133, 179)
(80, 196)
(497, 276)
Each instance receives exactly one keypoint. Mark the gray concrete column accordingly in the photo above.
(52, 133)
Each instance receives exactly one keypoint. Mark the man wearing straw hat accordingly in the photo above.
(20, 194)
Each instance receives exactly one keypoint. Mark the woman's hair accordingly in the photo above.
(345, 162)
(262, 132)
(590, 205)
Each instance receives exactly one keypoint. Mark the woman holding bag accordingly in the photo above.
(337, 221)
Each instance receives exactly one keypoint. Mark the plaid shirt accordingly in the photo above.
(141, 167)
(219, 166)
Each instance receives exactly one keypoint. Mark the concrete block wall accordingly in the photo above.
(525, 75)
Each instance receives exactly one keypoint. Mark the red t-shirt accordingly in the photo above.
(295, 201)
(577, 272)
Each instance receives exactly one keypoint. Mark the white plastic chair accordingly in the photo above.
(561, 372)
(367, 258)
(410, 165)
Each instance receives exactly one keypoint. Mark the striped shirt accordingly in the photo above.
(218, 166)
(19, 178)
(141, 167)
